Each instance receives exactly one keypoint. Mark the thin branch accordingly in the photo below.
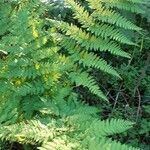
(139, 105)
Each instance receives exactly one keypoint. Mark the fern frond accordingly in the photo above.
(107, 144)
(92, 60)
(110, 16)
(124, 5)
(88, 41)
(87, 59)
(9, 108)
(35, 87)
(136, 1)
(103, 30)
(106, 128)
(26, 132)
(60, 144)
(87, 81)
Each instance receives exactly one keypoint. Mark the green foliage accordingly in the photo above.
(33, 67)
(39, 67)
(130, 96)
(98, 29)
(145, 127)
(75, 127)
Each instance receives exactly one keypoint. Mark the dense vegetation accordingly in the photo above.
(75, 75)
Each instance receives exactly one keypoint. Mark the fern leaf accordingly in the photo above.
(87, 81)
(107, 144)
(92, 60)
(124, 5)
(103, 30)
(110, 16)
(90, 42)
(106, 128)
(25, 132)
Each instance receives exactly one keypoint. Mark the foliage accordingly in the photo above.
(70, 127)
(130, 96)
(97, 31)
(39, 68)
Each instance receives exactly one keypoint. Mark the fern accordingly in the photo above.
(127, 5)
(110, 16)
(87, 81)
(27, 72)
(39, 68)
(74, 126)
(99, 29)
